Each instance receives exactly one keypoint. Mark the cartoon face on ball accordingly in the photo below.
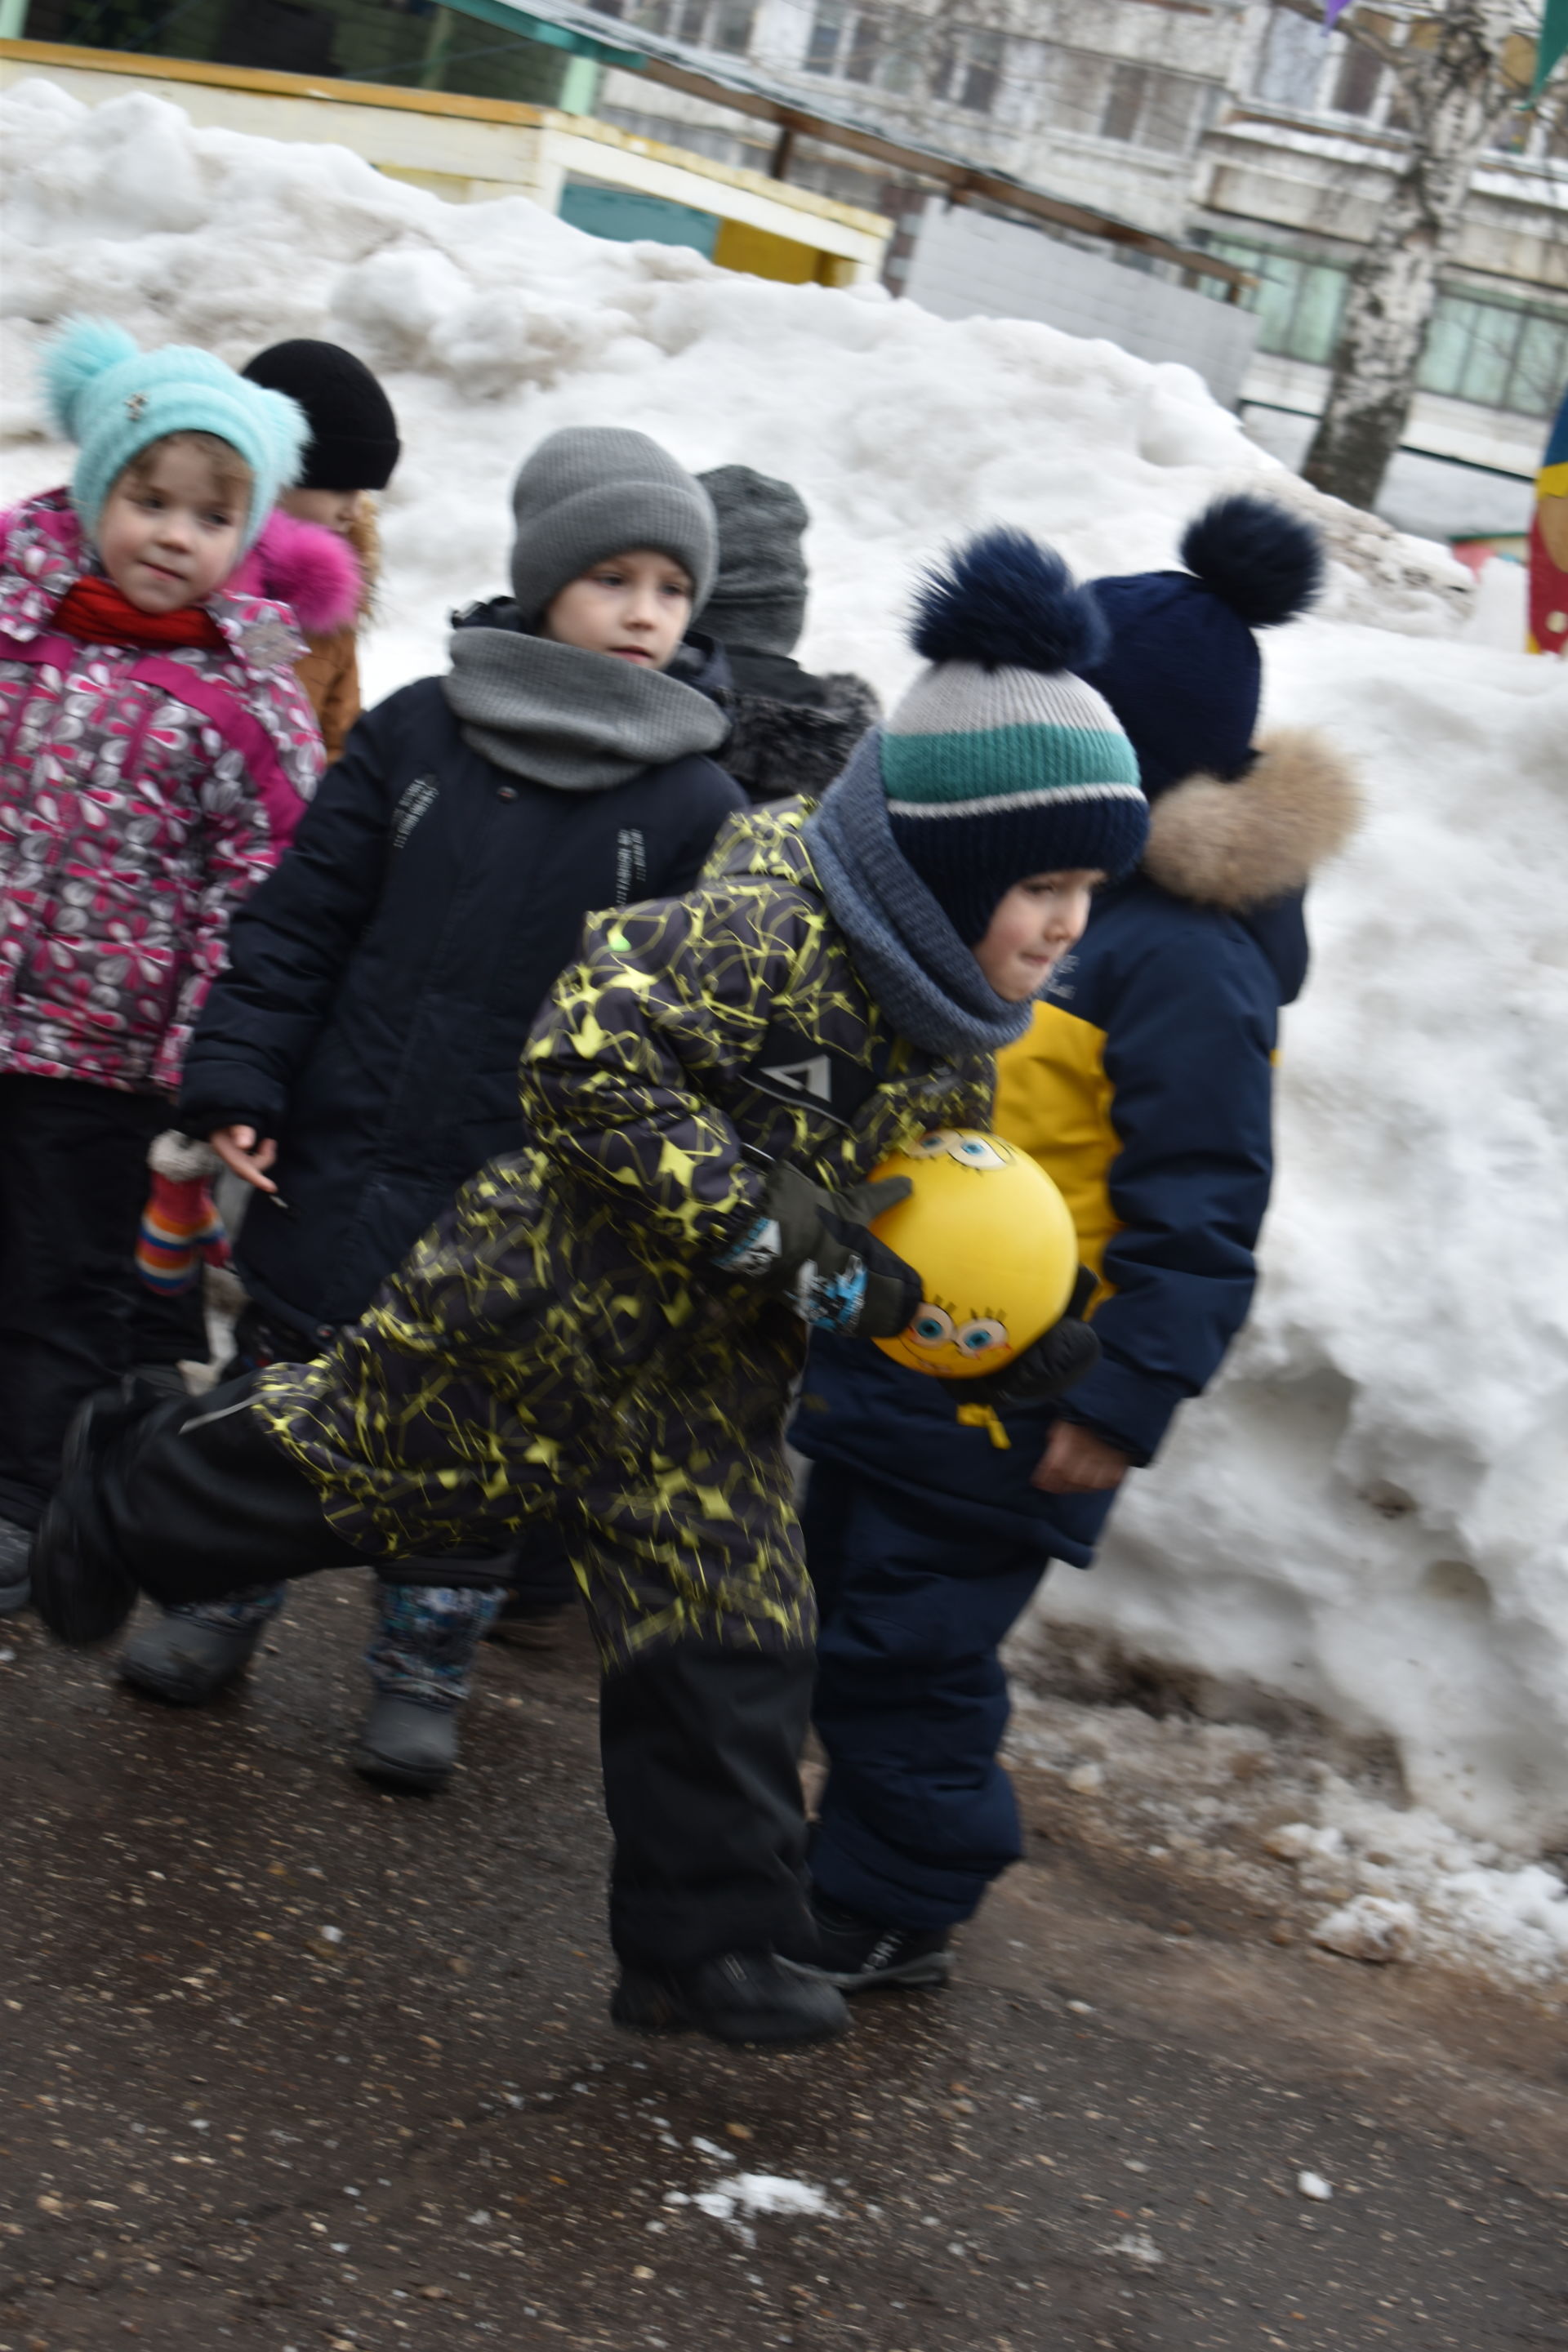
(964, 1148)
(991, 1239)
(949, 1344)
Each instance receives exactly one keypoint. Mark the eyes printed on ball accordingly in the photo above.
(952, 1143)
(934, 1326)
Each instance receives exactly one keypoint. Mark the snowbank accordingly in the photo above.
(1370, 1513)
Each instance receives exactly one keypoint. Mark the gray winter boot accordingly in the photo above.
(185, 1659)
(15, 1586)
(406, 1745)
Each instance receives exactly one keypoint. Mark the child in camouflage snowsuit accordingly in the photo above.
(608, 1323)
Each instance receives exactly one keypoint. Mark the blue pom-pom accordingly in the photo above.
(1004, 601)
(1262, 561)
(73, 364)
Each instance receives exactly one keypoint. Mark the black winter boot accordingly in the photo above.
(855, 1953)
(81, 1589)
(185, 1662)
(406, 1745)
(739, 1997)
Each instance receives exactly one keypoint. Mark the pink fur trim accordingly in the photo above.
(310, 569)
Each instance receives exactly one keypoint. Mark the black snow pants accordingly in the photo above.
(700, 1746)
(73, 1177)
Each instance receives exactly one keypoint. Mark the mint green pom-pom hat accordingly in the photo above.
(113, 400)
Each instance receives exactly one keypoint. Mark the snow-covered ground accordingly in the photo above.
(1369, 1514)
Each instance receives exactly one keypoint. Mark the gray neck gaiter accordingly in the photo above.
(901, 943)
(575, 721)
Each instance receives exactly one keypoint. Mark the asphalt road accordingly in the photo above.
(292, 2064)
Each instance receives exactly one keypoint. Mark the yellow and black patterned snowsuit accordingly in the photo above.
(559, 1342)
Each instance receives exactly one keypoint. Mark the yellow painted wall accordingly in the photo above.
(762, 255)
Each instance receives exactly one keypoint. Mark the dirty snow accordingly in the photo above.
(1368, 1518)
(747, 2194)
(1317, 1832)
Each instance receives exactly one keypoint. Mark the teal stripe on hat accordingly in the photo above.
(945, 772)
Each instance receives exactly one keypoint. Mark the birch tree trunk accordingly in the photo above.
(1453, 92)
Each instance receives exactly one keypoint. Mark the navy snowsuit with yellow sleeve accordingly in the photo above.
(558, 1346)
(1144, 1089)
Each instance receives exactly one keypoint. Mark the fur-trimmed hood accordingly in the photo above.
(793, 734)
(1239, 845)
(364, 538)
(317, 574)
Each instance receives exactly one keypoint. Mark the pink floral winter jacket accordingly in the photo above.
(142, 796)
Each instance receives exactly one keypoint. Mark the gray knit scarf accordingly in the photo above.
(577, 720)
(902, 945)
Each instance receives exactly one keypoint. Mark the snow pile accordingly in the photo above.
(739, 2198)
(1369, 1514)
(745, 2195)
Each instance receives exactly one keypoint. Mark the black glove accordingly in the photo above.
(813, 1247)
(1057, 1360)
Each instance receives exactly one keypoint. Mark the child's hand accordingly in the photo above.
(816, 1248)
(1076, 1462)
(240, 1152)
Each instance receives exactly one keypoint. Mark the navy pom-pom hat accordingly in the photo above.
(1183, 672)
(1000, 761)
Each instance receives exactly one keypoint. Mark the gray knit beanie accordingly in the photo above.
(594, 490)
(759, 597)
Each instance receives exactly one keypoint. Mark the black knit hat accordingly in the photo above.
(353, 433)
(759, 598)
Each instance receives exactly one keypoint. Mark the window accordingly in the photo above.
(827, 32)
(864, 49)
(1496, 354)
(888, 48)
(1075, 90)
(1124, 103)
(982, 72)
(1291, 63)
(1359, 78)
(1299, 304)
(704, 24)
(1147, 108)
(730, 25)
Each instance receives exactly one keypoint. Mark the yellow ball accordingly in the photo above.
(990, 1237)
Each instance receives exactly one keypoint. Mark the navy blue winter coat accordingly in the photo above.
(1144, 1089)
(382, 979)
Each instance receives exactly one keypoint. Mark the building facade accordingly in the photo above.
(1237, 125)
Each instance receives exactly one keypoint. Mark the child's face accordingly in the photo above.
(634, 606)
(333, 509)
(1033, 927)
(170, 532)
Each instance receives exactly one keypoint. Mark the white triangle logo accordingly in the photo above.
(810, 1076)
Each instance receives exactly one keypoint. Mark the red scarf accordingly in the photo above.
(96, 612)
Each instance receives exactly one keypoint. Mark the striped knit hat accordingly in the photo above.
(999, 763)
